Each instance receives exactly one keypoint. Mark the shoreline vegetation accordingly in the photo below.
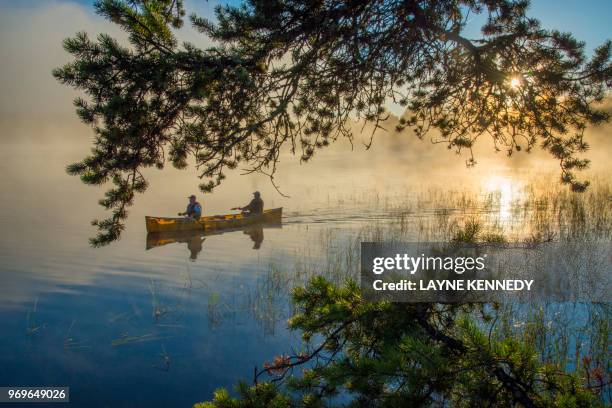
(361, 353)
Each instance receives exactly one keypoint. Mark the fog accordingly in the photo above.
(39, 126)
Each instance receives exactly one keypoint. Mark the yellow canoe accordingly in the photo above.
(214, 222)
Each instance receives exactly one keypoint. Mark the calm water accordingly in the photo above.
(129, 326)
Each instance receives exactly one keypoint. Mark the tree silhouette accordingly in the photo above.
(289, 72)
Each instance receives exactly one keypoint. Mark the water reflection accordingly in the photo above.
(195, 239)
(256, 234)
(150, 324)
(506, 192)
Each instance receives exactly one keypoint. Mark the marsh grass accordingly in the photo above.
(158, 307)
(32, 326)
(71, 342)
(569, 335)
(166, 360)
(540, 212)
(169, 313)
(126, 338)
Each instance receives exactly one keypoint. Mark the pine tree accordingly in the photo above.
(294, 72)
(383, 354)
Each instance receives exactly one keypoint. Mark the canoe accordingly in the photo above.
(211, 223)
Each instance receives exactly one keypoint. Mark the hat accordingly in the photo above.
(192, 196)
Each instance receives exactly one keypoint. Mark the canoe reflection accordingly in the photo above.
(195, 239)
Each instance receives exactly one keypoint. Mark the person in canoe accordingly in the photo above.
(194, 209)
(255, 207)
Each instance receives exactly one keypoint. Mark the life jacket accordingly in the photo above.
(192, 212)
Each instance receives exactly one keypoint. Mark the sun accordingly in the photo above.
(515, 82)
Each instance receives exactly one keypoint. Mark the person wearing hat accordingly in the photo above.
(194, 209)
(255, 207)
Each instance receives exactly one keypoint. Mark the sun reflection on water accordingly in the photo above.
(506, 192)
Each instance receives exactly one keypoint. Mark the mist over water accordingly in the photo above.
(127, 326)
(157, 327)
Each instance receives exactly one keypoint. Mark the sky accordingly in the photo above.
(588, 20)
(31, 33)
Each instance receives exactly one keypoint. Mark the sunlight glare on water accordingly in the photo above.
(506, 191)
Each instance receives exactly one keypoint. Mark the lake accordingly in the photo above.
(127, 325)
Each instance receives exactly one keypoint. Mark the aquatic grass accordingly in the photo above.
(537, 206)
(32, 327)
(159, 309)
(171, 326)
(114, 318)
(70, 343)
(125, 339)
(212, 309)
(163, 311)
(469, 233)
(166, 360)
(566, 334)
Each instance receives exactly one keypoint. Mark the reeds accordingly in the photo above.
(564, 334)
(71, 343)
(126, 338)
(32, 327)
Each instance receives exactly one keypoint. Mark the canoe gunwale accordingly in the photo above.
(162, 224)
